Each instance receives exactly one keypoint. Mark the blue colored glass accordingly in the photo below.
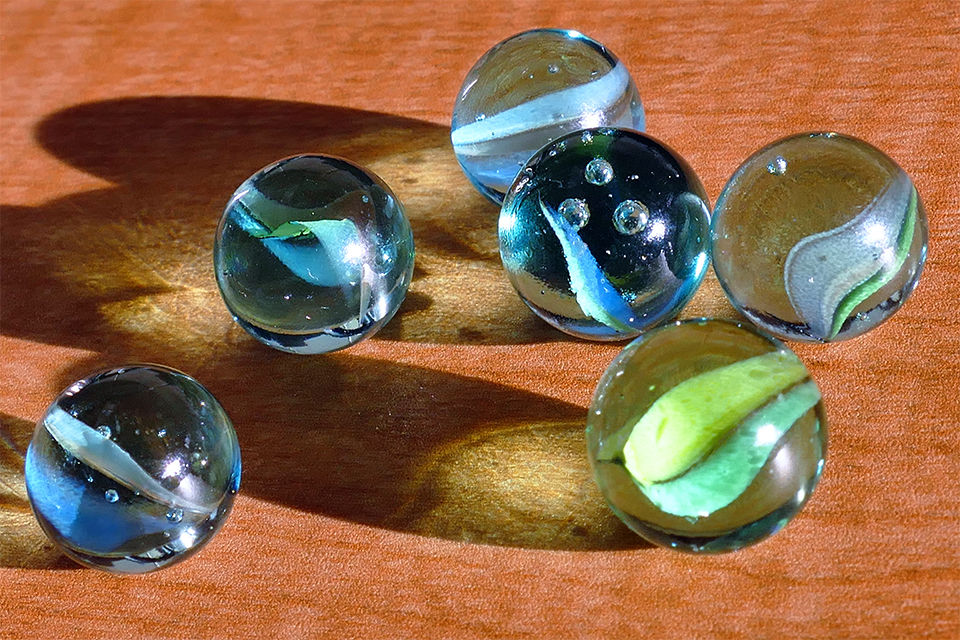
(530, 89)
(313, 254)
(604, 233)
(133, 469)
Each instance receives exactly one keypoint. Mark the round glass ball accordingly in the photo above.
(133, 469)
(819, 237)
(604, 233)
(706, 436)
(530, 89)
(313, 254)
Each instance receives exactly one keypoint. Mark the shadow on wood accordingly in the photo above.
(126, 273)
(146, 242)
(22, 542)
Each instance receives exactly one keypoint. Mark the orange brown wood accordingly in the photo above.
(431, 482)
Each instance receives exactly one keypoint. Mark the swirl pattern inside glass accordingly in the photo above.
(819, 237)
(530, 89)
(133, 469)
(706, 436)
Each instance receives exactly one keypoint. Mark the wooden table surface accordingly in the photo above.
(431, 482)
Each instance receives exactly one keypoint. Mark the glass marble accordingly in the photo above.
(819, 237)
(133, 469)
(706, 436)
(530, 89)
(604, 233)
(313, 254)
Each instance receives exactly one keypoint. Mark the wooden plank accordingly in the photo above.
(431, 482)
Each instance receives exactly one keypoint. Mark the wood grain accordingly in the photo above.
(431, 482)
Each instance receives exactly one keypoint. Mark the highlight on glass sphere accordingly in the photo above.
(133, 469)
(313, 254)
(530, 89)
(706, 436)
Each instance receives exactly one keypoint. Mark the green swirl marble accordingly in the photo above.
(688, 421)
(725, 474)
(828, 274)
(706, 436)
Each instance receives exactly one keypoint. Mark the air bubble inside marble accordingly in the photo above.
(313, 254)
(109, 491)
(596, 252)
(530, 89)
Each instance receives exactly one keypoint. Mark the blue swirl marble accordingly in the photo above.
(604, 250)
(313, 254)
(133, 469)
(530, 89)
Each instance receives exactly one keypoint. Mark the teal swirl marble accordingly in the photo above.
(594, 292)
(133, 469)
(706, 436)
(843, 244)
(604, 233)
(530, 89)
(313, 254)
